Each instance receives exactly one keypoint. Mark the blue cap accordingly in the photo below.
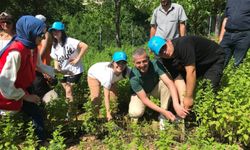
(118, 56)
(155, 44)
(57, 26)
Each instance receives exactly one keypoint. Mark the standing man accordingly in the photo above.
(168, 20)
(190, 57)
(150, 78)
(235, 30)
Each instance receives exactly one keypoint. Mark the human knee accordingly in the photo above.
(135, 113)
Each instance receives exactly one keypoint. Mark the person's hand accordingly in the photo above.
(181, 111)
(169, 115)
(32, 98)
(109, 116)
(188, 102)
(73, 61)
(64, 72)
(46, 76)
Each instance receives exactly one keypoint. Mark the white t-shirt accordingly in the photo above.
(104, 74)
(66, 53)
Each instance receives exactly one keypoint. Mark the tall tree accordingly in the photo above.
(117, 22)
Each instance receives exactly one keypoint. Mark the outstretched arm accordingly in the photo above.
(174, 94)
(190, 84)
(144, 98)
(107, 103)
(223, 30)
(182, 28)
(152, 30)
(83, 49)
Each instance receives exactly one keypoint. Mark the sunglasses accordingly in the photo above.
(123, 63)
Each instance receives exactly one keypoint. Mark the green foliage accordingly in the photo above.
(225, 116)
(198, 13)
(89, 122)
(57, 143)
(10, 131)
(114, 139)
(31, 141)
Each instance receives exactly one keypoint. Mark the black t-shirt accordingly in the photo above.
(192, 50)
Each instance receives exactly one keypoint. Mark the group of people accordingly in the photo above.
(171, 76)
(25, 74)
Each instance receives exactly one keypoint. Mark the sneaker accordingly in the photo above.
(2, 113)
(134, 120)
(162, 122)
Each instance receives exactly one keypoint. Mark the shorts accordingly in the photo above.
(71, 79)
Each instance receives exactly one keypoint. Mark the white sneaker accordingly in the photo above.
(162, 122)
(2, 113)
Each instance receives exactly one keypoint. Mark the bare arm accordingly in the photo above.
(152, 30)
(223, 30)
(83, 49)
(190, 85)
(173, 91)
(182, 28)
(181, 87)
(107, 104)
(143, 97)
(56, 65)
(44, 43)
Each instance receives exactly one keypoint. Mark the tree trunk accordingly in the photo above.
(217, 24)
(117, 22)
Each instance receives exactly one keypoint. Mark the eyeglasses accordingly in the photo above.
(42, 35)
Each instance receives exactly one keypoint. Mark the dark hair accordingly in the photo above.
(139, 52)
(5, 17)
(124, 72)
(64, 37)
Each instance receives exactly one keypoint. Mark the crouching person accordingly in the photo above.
(18, 64)
(106, 74)
(150, 78)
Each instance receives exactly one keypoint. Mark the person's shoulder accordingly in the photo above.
(154, 62)
(133, 73)
(176, 5)
(157, 8)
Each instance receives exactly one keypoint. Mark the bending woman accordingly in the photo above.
(106, 74)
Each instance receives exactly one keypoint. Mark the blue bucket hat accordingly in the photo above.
(155, 44)
(57, 26)
(118, 56)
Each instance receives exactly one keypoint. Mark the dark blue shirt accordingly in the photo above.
(238, 14)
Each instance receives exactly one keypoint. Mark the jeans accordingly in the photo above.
(33, 111)
(235, 44)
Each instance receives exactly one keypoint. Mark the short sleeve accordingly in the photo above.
(74, 42)
(182, 14)
(153, 19)
(134, 83)
(159, 68)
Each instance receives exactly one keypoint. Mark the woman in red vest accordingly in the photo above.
(18, 63)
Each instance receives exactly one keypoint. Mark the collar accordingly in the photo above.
(169, 9)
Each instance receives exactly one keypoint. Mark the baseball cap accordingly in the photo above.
(119, 56)
(155, 44)
(41, 17)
